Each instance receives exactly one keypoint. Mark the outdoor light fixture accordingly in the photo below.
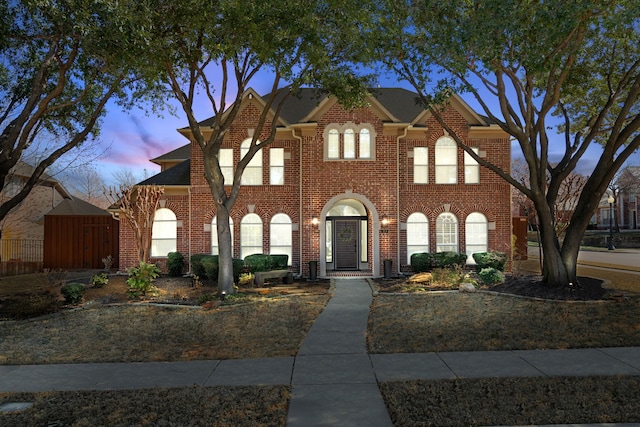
(384, 220)
(610, 200)
(315, 221)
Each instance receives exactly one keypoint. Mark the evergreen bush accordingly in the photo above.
(259, 262)
(280, 262)
(421, 262)
(196, 265)
(211, 267)
(449, 259)
(492, 259)
(73, 292)
(175, 263)
(491, 276)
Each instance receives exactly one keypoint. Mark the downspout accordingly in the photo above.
(190, 226)
(406, 131)
(300, 225)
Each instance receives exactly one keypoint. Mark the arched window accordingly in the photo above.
(349, 144)
(364, 144)
(446, 161)
(333, 144)
(281, 242)
(250, 235)
(164, 233)
(417, 234)
(214, 235)
(447, 233)
(349, 141)
(252, 174)
(477, 236)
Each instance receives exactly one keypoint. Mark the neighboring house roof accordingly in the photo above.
(76, 207)
(25, 170)
(176, 175)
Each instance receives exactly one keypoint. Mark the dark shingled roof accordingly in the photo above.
(180, 153)
(176, 175)
(76, 207)
(402, 103)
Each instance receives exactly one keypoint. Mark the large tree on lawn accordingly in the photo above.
(213, 53)
(559, 77)
(61, 61)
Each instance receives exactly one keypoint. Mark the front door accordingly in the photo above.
(346, 238)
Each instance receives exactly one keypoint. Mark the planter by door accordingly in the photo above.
(387, 268)
(313, 270)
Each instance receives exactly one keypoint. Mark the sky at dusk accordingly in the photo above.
(134, 137)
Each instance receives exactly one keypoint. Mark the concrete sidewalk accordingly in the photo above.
(333, 379)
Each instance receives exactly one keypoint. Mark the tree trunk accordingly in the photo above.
(225, 251)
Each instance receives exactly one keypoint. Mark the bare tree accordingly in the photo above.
(137, 206)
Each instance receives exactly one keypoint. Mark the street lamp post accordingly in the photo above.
(611, 200)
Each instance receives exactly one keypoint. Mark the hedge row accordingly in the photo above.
(424, 261)
(206, 266)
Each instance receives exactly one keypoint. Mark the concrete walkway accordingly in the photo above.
(334, 381)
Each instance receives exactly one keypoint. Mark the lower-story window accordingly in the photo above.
(446, 233)
(417, 234)
(281, 241)
(164, 233)
(476, 235)
(250, 235)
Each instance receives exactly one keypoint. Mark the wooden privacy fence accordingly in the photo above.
(80, 242)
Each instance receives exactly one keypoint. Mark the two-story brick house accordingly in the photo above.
(348, 189)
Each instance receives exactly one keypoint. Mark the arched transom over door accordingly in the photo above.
(346, 235)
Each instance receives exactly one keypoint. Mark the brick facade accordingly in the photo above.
(381, 186)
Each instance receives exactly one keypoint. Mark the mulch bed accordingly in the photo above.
(587, 289)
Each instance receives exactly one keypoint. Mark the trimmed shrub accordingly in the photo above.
(238, 269)
(280, 262)
(449, 259)
(175, 263)
(258, 262)
(196, 265)
(421, 262)
(492, 259)
(73, 292)
(491, 276)
(210, 265)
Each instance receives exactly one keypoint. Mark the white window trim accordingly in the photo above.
(358, 155)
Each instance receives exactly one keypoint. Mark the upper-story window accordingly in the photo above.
(349, 141)
(225, 159)
(471, 168)
(365, 143)
(252, 174)
(276, 166)
(420, 165)
(446, 161)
